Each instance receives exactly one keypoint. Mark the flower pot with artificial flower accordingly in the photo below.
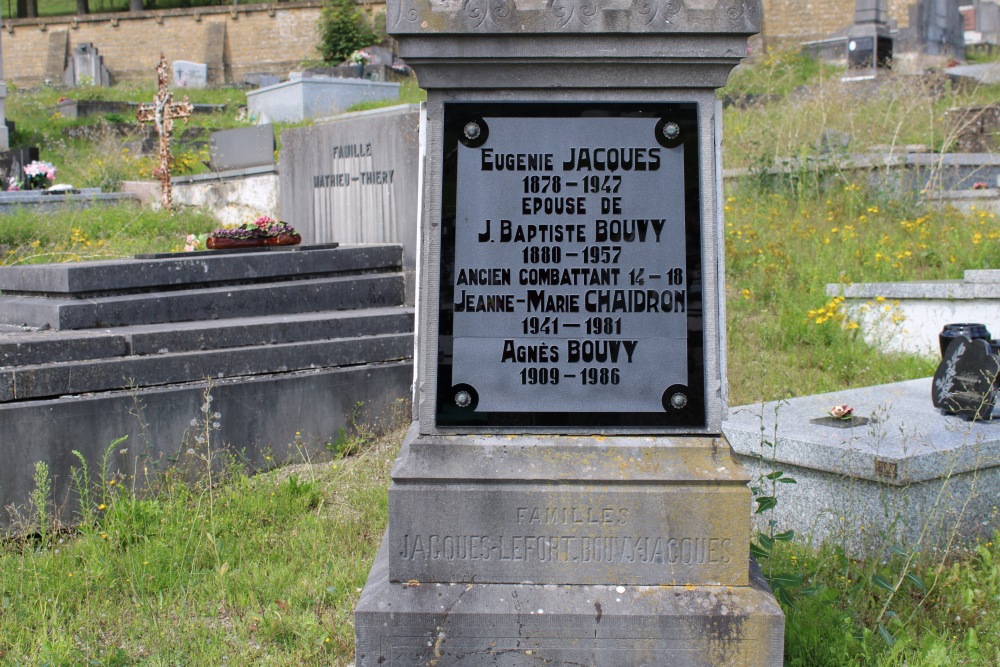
(263, 231)
(38, 175)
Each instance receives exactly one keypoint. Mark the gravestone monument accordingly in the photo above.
(189, 75)
(242, 148)
(869, 44)
(85, 67)
(936, 28)
(354, 180)
(565, 494)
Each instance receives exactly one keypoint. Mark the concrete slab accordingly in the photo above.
(284, 416)
(190, 269)
(78, 377)
(298, 99)
(20, 347)
(336, 293)
(908, 316)
(33, 347)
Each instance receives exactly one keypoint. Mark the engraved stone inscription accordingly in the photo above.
(571, 278)
(551, 548)
(558, 537)
(592, 535)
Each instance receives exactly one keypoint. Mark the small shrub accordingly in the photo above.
(344, 29)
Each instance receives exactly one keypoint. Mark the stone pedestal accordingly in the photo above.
(641, 511)
(565, 495)
(562, 550)
(472, 624)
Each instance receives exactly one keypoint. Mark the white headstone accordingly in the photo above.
(190, 75)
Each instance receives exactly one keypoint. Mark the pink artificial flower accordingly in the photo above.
(841, 411)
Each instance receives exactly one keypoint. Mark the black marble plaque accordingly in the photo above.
(965, 380)
(570, 275)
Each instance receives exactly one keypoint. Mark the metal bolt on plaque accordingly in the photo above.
(471, 131)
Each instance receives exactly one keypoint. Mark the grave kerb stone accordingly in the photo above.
(908, 316)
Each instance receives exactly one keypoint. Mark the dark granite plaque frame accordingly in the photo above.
(691, 415)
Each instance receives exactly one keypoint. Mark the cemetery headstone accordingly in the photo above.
(242, 148)
(190, 75)
(12, 163)
(935, 28)
(565, 494)
(354, 180)
(86, 67)
(869, 43)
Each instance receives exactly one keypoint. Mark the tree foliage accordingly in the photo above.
(344, 28)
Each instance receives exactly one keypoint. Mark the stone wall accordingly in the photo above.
(791, 22)
(275, 38)
(232, 40)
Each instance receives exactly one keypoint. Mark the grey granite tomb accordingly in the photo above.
(304, 97)
(910, 476)
(565, 494)
(242, 148)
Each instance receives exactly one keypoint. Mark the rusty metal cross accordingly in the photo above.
(162, 113)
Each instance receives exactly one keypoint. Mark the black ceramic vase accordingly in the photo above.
(970, 330)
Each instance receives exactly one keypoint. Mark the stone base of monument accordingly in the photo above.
(591, 550)
(473, 624)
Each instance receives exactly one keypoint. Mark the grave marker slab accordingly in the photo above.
(86, 67)
(189, 75)
(573, 269)
(354, 180)
(302, 97)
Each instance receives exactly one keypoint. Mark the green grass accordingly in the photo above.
(203, 567)
(944, 613)
(804, 98)
(103, 151)
(789, 236)
(75, 234)
(786, 241)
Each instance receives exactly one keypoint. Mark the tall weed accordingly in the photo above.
(785, 245)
